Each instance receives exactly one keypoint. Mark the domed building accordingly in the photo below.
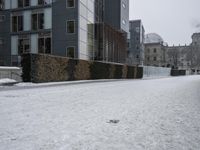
(153, 38)
(154, 50)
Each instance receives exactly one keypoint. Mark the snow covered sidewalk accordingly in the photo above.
(158, 114)
(7, 81)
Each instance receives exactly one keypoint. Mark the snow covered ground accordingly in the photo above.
(156, 114)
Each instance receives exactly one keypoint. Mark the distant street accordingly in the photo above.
(153, 114)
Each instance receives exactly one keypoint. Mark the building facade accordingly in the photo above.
(177, 58)
(136, 43)
(155, 51)
(116, 14)
(57, 27)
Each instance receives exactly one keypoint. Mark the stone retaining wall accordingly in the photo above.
(47, 68)
(175, 72)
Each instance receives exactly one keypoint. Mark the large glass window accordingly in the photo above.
(70, 26)
(37, 21)
(23, 46)
(70, 3)
(23, 3)
(71, 52)
(44, 44)
(17, 23)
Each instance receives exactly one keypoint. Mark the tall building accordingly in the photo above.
(136, 43)
(57, 27)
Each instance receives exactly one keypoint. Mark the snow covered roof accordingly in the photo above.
(153, 38)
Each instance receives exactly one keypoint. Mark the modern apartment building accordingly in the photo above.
(26, 26)
(57, 27)
(136, 43)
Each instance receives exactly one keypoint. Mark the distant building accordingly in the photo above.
(176, 57)
(158, 53)
(155, 50)
(136, 43)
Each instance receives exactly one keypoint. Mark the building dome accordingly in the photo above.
(153, 38)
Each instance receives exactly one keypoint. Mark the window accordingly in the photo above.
(148, 58)
(70, 26)
(148, 50)
(2, 18)
(44, 44)
(37, 21)
(155, 58)
(154, 50)
(17, 23)
(70, 3)
(23, 46)
(137, 56)
(2, 4)
(71, 52)
(44, 2)
(23, 3)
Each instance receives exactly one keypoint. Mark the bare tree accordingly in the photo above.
(173, 56)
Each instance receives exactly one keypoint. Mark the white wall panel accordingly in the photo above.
(7, 4)
(14, 4)
(34, 43)
(48, 18)
(14, 45)
(34, 2)
(27, 20)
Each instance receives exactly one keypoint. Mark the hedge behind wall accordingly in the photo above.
(39, 68)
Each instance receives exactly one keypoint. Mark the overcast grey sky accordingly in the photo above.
(174, 20)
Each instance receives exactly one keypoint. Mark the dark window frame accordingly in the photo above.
(23, 3)
(17, 23)
(69, 52)
(25, 48)
(70, 3)
(43, 46)
(37, 21)
(71, 29)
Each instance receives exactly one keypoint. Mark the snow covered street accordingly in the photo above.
(156, 114)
